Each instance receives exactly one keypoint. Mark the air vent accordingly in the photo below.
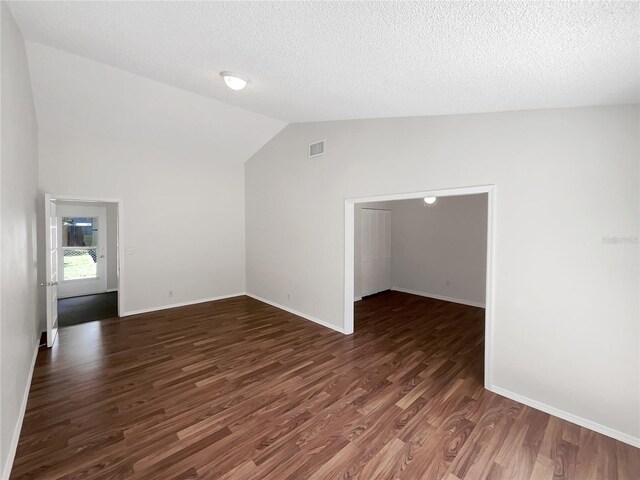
(317, 149)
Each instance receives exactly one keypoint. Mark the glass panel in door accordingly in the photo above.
(79, 246)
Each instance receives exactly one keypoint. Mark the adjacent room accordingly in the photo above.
(87, 247)
(420, 270)
(320, 240)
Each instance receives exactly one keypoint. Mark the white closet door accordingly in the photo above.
(375, 251)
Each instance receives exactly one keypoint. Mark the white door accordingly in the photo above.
(82, 256)
(51, 269)
(375, 251)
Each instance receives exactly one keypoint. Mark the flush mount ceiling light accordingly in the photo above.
(429, 200)
(234, 81)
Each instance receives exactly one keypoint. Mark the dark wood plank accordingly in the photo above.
(237, 389)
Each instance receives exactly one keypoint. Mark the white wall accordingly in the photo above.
(566, 327)
(173, 157)
(441, 249)
(19, 316)
(436, 249)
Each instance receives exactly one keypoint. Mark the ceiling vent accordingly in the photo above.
(317, 149)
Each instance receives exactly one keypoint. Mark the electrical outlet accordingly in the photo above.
(128, 251)
(171, 293)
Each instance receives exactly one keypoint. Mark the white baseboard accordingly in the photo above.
(6, 471)
(357, 299)
(569, 417)
(295, 312)
(181, 304)
(440, 297)
(109, 290)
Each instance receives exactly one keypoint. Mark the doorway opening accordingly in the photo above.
(83, 261)
(368, 258)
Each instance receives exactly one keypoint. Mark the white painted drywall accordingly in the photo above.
(566, 330)
(174, 158)
(441, 249)
(19, 315)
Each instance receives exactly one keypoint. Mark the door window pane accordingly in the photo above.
(79, 242)
(79, 232)
(80, 263)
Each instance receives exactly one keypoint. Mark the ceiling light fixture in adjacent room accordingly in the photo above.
(234, 81)
(429, 200)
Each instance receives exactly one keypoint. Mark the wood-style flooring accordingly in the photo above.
(237, 389)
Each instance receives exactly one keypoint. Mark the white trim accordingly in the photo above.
(181, 304)
(490, 286)
(120, 256)
(295, 312)
(569, 417)
(74, 198)
(440, 297)
(109, 290)
(357, 299)
(448, 192)
(349, 265)
(349, 255)
(6, 471)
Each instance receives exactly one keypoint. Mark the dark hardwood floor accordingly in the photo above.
(87, 308)
(237, 389)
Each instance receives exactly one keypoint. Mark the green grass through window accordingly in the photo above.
(79, 264)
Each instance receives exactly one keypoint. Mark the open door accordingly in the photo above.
(51, 233)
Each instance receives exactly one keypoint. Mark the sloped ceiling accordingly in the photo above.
(76, 96)
(311, 61)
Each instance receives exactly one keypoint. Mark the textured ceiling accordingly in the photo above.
(336, 60)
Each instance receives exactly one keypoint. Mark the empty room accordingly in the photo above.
(320, 240)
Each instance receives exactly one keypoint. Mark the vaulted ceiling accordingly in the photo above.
(311, 61)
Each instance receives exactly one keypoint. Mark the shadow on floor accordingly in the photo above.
(88, 308)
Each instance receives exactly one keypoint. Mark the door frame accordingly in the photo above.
(120, 236)
(349, 257)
